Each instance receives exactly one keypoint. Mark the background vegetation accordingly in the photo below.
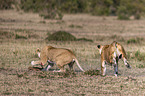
(54, 9)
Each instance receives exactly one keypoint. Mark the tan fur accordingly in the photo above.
(110, 54)
(59, 56)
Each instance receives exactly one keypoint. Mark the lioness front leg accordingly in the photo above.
(116, 69)
(37, 62)
(46, 68)
(50, 64)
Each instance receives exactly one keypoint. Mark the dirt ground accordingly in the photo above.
(22, 33)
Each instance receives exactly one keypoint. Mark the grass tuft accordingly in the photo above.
(134, 40)
(7, 93)
(4, 34)
(30, 90)
(75, 26)
(49, 74)
(139, 56)
(84, 39)
(68, 73)
(141, 66)
(20, 37)
(92, 72)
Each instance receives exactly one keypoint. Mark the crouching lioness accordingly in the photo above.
(110, 54)
(58, 56)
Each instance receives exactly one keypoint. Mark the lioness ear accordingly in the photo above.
(37, 50)
(99, 46)
(120, 56)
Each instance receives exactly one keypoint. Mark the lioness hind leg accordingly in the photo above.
(116, 69)
(61, 69)
(71, 65)
(126, 63)
(103, 68)
(115, 64)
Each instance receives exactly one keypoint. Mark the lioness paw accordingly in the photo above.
(115, 75)
(32, 63)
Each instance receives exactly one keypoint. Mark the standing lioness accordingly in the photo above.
(58, 56)
(111, 54)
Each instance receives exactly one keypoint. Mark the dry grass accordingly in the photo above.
(16, 55)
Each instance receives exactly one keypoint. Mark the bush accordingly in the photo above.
(61, 36)
(123, 13)
(101, 7)
(52, 14)
(6, 4)
(129, 8)
(64, 36)
(47, 9)
(100, 11)
(51, 8)
(74, 6)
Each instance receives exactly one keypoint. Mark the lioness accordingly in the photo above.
(58, 56)
(111, 54)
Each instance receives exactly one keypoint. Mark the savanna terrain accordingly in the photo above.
(22, 33)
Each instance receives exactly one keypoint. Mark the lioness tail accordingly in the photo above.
(79, 65)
